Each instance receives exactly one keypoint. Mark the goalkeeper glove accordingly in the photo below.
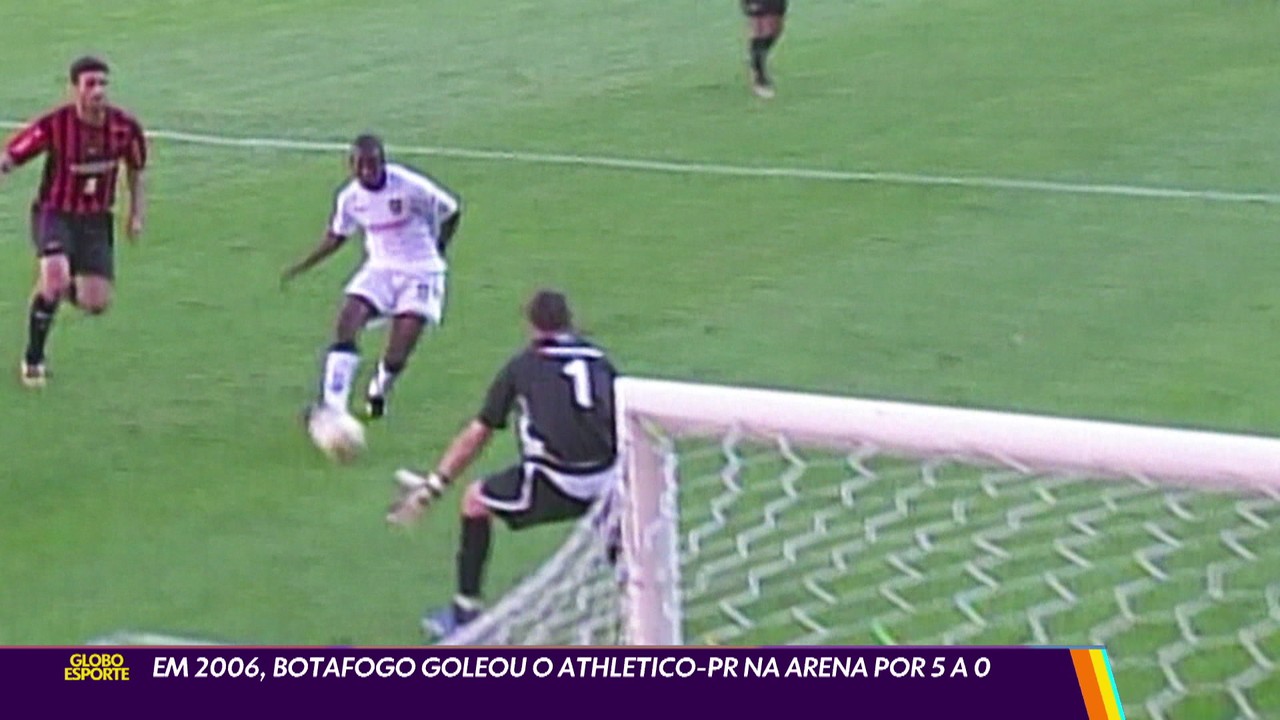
(416, 494)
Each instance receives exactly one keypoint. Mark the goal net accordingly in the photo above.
(763, 517)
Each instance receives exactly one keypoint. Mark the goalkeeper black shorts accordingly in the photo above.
(524, 495)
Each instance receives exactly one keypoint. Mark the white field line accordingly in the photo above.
(726, 170)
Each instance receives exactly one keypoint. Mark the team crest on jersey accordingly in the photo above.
(397, 206)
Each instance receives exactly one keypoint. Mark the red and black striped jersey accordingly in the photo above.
(82, 159)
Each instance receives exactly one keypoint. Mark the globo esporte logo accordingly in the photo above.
(96, 666)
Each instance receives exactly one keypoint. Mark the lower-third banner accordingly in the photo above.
(891, 682)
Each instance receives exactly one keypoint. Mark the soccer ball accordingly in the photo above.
(337, 434)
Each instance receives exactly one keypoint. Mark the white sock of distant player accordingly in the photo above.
(339, 370)
(383, 379)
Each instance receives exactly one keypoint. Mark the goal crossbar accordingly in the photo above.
(1108, 450)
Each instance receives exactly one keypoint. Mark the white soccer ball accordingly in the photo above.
(338, 434)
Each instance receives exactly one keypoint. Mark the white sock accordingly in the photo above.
(339, 370)
(383, 379)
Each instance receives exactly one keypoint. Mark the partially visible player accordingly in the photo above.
(72, 225)
(408, 221)
(561, 386)
(766, 21)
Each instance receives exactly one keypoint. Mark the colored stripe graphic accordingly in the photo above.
(1097, 686)
(1088, 685)
(1107, 684)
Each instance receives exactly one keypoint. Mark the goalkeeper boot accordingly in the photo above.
(446, 621)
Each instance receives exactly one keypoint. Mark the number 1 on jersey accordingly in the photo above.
(578, 371)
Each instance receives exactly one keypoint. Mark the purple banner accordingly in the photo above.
(897, 682)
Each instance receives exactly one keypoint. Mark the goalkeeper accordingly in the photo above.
(561, 387)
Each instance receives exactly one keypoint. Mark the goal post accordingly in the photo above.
(765, 516)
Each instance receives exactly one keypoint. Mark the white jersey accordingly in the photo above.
(401, 222)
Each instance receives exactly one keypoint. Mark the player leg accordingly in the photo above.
(343, 357)
(419, 302)
(367, 295)
(49, 234)
(522, 497)
(405, 331)
(766, 22)
(473, 554)
(92, 263)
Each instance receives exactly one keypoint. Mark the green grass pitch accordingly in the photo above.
(161, 482)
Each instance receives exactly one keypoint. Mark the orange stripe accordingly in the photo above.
(1093, 703)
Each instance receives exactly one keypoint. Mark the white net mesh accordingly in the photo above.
(574, 598)
(785, 545)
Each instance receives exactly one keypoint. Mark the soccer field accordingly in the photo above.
(975, 202)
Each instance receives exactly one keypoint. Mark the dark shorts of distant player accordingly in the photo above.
(523, 496)
(764, 8)
(88, 241)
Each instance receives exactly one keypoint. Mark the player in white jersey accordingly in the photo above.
(408, 221)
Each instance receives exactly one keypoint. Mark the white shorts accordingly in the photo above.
(394, 292)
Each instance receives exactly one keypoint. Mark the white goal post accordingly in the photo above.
(1032, 443)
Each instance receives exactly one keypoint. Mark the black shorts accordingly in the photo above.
(762, 8)
(523, 496)
(88, 241)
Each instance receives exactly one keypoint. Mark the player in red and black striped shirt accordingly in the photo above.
(72, 225)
